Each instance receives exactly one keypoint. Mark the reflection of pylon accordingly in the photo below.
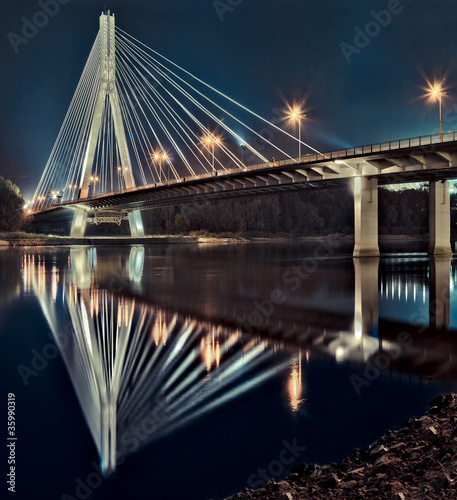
(106, 91)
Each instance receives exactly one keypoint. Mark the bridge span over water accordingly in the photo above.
(136, 138)
(429, 158)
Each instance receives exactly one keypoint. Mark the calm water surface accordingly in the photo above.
(189, 372)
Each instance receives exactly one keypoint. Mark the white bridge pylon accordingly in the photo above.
(137, 119)
(107, 92)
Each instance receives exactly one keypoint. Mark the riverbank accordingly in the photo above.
(24, 239)
(418, 461)
(29, 239)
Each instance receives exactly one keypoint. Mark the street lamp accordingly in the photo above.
(211, 141)
(159, 157)
(436, 93)
(295, 115)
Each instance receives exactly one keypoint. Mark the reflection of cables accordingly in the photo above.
(127, 360)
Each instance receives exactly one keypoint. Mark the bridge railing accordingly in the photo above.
(425, 140)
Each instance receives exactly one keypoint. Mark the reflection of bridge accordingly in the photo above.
(172, 156)
(140, 366)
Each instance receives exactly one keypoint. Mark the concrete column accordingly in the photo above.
(439, 289)
(439, 218)
(366, 315)
(78, 226)
(136, 224)
(366, 217)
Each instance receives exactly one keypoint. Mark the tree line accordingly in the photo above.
(312, 211)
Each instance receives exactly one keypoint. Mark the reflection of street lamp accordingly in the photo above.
(295, 384)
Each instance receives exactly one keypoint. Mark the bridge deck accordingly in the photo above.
(431, 157)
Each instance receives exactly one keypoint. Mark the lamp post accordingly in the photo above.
(165, 158)
(436, 92)
(209, 140)
(295, 115)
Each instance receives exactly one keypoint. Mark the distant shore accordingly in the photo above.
(26, 239)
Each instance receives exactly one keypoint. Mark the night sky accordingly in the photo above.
(255, 51)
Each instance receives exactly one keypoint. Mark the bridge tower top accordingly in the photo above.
(107, 50)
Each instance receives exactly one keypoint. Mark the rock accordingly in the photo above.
(398, 496)
(282, 485)
(426, 463)
(294, 478)
(429, 432)
(285, 496)
(329, 481)
(378, 450)
(425, 421)
(349, 484)
(439, 401)
(442, 481)
(397, 446)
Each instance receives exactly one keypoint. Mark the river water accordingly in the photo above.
(190, 372)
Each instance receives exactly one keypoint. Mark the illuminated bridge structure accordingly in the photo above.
(139, 136)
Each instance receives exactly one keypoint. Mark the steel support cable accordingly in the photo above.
(171, 112)
(132, 121)
(167, 114)
(151, 127)
(143, 138)
(70, 162)
(167, 133)
(226, 112)
(48, 175)
(204, 109)
(217, 91)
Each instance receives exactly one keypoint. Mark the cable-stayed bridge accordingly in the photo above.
(142, 132)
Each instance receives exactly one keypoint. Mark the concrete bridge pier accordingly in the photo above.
(366, 217)
(136, 224)
(78, 226)
(439, 218)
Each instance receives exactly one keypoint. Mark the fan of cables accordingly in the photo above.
(176, 125)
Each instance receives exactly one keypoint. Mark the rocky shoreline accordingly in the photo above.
(418, 461)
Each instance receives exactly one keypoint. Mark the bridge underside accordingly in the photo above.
(435, 164)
